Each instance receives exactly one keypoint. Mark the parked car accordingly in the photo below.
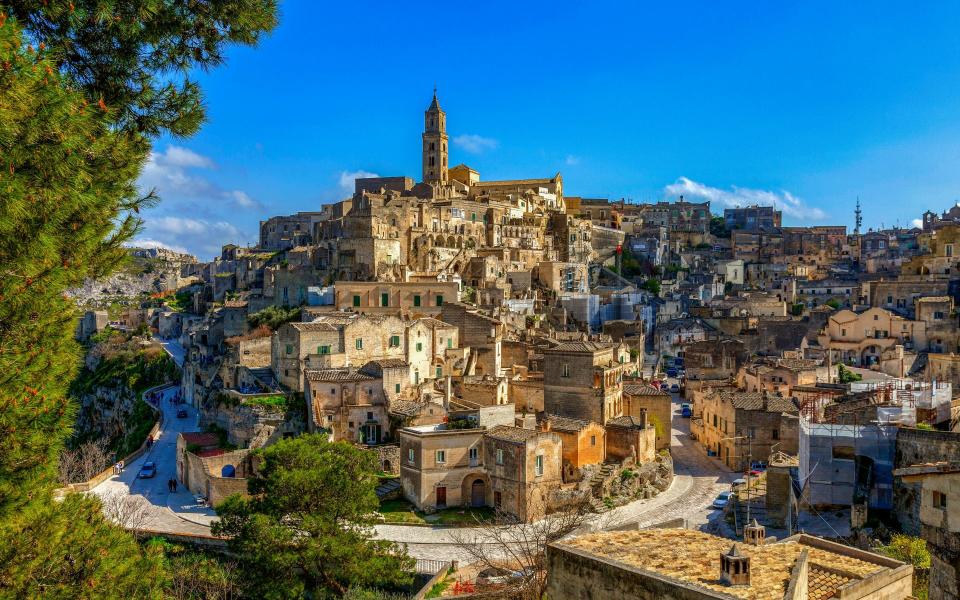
(758, 465)
(671, 372)
(675, 388)
(678, 362)
(738, 482)
(182, 413)
(148, 470)
(685, 410)
(722, 500)
(756, 473)
(664, 387)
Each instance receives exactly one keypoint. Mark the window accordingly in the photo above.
(539, 465)
(593, 440)
(385, 299)
(439, 300)
(939, 500)
(356, 300)
(416, 299)
(439, 372)
(333, 391)
(566, 370)
(473, 457)
(323, 349)
(397, 388)
(449, 342)
(410, 458)
(714, 420)
(775, 434)
(394, 341)
(289, 348)
(369, 416)
(441, 457)
(359, 343)
(419, 346)
(499, 456)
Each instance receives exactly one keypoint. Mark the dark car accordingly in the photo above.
(685, 410)
(675, 388)
(182, 413)
(664, 387)
(148, 470)
(671, 372)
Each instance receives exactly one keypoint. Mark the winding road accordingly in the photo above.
(697, 481)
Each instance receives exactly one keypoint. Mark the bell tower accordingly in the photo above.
(435, 143)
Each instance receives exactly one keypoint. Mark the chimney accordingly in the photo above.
(643, 418)
(754, 533)
(734, 567)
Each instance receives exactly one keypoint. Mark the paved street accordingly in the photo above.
(173, 347)
(154, 490)
(697, 482)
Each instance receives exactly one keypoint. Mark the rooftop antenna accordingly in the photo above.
(859, 217)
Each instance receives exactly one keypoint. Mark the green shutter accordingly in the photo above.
(419, 346)
(439, 300)
(439, 372)
(356, 300)
(449, 342)
(416, 300)
(398, 388)
(359, 343)
(385, 299)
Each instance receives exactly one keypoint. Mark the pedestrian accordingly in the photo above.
(174, 485)
(169, 485)
(120, 466)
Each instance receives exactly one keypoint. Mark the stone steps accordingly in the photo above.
(387, 488)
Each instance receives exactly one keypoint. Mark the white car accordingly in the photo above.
(738, 482)
(722, 500)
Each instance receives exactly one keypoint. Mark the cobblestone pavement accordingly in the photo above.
(160, 517)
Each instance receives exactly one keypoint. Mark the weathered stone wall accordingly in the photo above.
(918, 446)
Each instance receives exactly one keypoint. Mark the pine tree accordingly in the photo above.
(84, 87)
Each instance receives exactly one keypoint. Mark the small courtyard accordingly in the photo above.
(401, 512)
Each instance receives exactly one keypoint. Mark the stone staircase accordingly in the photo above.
(388, 489)
(596, 484)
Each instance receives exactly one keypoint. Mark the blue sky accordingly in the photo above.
(804, 104)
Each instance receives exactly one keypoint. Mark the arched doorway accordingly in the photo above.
(228, 471)
(478, 493)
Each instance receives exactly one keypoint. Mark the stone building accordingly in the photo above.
(752, 217)
(209, 471)
(413, 298)
(643, 399)
(940, 518)
(346, 403)
(583, 380)
(781, 375)
(684, 564)
(524, 470)
(739, 427)
(584, 442)
(631, 438)
(870, 337)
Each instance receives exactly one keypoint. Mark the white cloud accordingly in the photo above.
(173, 173)
(918, 223)
(738, 196)
(347, 177)
(475, 144)
(572, 160)
(198, 236)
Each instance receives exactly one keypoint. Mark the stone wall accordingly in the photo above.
(574, 574)
(918, 446)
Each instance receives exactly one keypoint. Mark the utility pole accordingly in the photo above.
(749, 461)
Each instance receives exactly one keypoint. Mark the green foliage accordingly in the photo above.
(653, 286)
(192, 574)
(76, 116)
(796, 309)
(911, 550)
(926, 426)
(138, 55)
(832, 303)
(845, 375)
(127, 365)
(181, 301)
(718, 227)
(305, 530)
(69, 550)
(273, 317)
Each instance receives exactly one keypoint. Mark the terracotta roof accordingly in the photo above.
(388, 363)
(559, 423)
(511, 434)
(760, 401)
(433, 323)
(931, 468)
(336, 375)
(642, 389)
(580, 347)
(628, 421)
(313, 326)
(692, 558)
